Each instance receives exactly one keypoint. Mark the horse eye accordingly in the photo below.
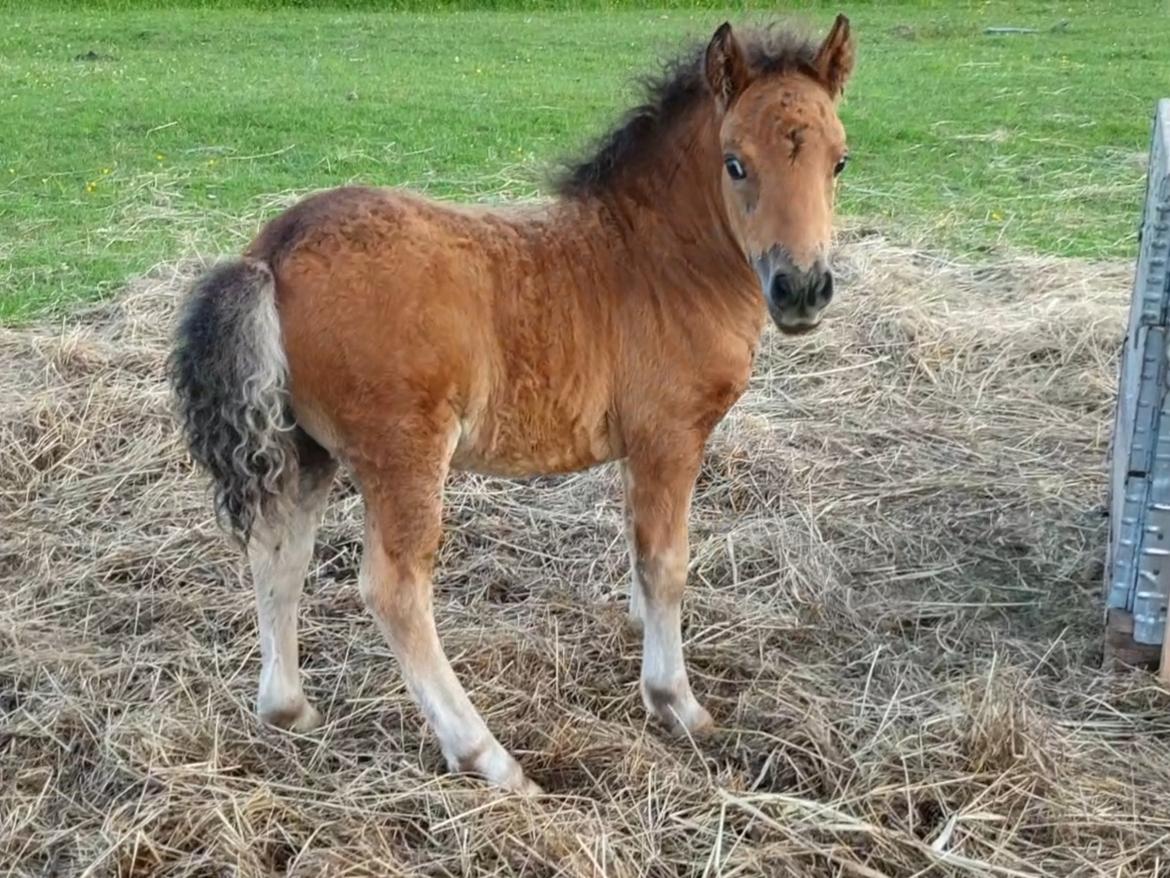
(735, 168)
(840, 166)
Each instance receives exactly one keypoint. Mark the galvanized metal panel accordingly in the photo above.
(1150, 288)
(1138, 404)
(1152, 589)
(1138, 565)
(1144, 390)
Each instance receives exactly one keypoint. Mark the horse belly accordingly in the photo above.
(509, 444)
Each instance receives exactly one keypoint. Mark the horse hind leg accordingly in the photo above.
(280, 548)
(229, 373)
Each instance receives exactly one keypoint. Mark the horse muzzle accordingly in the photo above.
(796, 297)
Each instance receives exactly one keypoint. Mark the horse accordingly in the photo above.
(403, 338)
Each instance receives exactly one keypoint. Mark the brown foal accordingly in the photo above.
(402, 338)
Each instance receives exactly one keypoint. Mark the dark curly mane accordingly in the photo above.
(667, 98)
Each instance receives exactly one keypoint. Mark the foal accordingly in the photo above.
(402, 338)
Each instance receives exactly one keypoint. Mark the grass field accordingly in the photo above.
(140, 135)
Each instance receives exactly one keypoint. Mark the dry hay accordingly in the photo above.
(894, 616)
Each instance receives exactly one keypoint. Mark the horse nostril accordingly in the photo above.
(783, 292)
(823, 290)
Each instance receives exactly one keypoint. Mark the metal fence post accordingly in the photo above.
(1137, 569)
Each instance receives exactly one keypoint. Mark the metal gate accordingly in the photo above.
(1137, 569)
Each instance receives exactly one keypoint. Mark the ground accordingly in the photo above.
(893, 614)
(894, 611)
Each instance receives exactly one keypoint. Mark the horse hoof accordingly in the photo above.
(678, 711)
(497, 766)
(299, 717)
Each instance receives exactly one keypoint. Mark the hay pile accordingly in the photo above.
(894, 617)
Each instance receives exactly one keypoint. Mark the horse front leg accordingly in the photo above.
(659, 480)
(634, 608)
(402, 492)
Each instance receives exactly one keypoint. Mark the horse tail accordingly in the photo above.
(229, 374)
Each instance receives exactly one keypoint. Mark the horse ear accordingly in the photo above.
(834, 60)
(726, 68)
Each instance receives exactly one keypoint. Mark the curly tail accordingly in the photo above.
(230, 376)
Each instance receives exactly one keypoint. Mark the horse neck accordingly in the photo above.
(668, 215)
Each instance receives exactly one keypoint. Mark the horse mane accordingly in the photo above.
(667, 97)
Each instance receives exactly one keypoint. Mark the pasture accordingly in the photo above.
(894, 608)
(145, 133)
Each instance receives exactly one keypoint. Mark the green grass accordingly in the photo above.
(132, 135)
